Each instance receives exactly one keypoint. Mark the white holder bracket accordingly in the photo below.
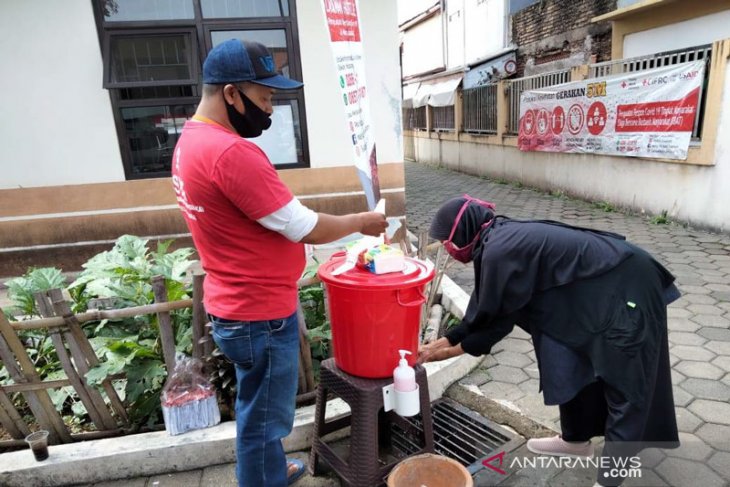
(405, 404)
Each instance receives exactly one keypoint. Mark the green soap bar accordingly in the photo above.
(631, 304)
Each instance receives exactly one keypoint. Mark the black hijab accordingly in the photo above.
(470, 223)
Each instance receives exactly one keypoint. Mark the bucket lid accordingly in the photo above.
(416, 272)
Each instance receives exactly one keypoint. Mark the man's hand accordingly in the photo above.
(441, 349)
(373, 223)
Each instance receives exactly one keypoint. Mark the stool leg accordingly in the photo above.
(426, 417)
(363, 461)
(319, 415)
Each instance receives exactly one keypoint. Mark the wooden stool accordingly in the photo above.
(365, 398)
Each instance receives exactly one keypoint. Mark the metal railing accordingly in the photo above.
(517, 86)
(479, 115)
(444, 119)
(414, 118)
(658, 60)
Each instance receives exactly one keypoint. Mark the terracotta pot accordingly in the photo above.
(429, 470)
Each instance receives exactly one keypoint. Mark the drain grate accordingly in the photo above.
(458, 433)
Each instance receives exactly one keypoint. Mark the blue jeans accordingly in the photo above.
(266, 356)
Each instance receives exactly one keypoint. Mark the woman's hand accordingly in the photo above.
(441, 349)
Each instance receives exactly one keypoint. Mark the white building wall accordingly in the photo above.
(689, 33)
(56, 121)
(329, 139)
(697, 194)
(485, 22)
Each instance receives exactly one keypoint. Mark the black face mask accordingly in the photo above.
(252, 122)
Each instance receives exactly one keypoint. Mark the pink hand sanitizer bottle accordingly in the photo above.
(404, 377)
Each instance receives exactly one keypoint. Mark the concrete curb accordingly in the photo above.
(155, 453)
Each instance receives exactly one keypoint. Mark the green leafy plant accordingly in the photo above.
(661, 219)
(21, 289)
(605, 206)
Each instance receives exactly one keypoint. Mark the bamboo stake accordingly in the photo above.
(10, 418)
(98, 315)
(87, 359)
(36, 386)
(199, 318)
(164, 321)
(305, 350)
(39, 401)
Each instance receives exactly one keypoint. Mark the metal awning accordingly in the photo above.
(409, 91)
(420, 99)
(443, 93)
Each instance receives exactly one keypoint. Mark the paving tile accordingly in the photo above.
(682, 324)
(714, 321)
(690, 352)
(686, 420)
(711, 411)
(705, 309)
(674, 311)
(677, 377)
(717, 334)
(723, 361)
(574, 476)
(681, 397)
(691, 448)
(651, 457)
(684, 338)
(700, 299)
(513, 345)
(699, 370)
(648, 478)
(681, 472)
(502, 390)
(511, 375)
(720, 462)
(531, 386)
(715, 435)
(720, 348)
(477, 378)
(177, 479)
(512, 359)
(707, 389)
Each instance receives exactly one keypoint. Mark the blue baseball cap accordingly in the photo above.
(235, 60)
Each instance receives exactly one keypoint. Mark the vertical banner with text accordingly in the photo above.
(648, 113)
(343, 25)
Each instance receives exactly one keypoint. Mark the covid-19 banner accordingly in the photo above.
(643, 114)
(343, 25)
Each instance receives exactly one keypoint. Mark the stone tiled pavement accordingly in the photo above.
(699, 327)
(699, 339)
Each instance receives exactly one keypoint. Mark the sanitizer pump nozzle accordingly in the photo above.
(404, 377)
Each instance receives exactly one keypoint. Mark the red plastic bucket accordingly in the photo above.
(373, 316)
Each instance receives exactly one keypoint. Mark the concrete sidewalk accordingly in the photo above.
(508, 380)
(698, 323)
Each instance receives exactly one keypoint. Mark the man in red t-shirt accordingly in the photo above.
(249, 231)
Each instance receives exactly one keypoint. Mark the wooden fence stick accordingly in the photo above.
(10, 418)
(39, 401)
(87, 359)
(90, 397)
(164, 321)
(305, 351)
(199, 318)
(98, 315)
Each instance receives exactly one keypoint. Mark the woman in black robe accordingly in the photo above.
(595, 306)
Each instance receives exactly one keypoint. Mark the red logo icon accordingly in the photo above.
(597, 117)
(557, 120)
(488, 463)
(576, 117)
(528, 122)
(543, 122)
